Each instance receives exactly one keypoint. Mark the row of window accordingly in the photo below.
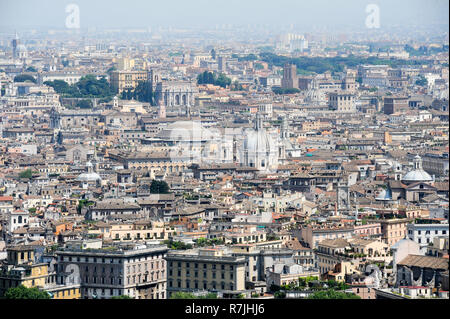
(91, 259)
(428, 232)
(103, 280)
(196, 265)
(205, 274)
(196, 285)
(156, 265)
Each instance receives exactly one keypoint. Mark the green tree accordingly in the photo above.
(211, 78)
(143, 92)
(87, 86)
(31, 69)
(259, 66)
(279, 295)
(278, 90)
(84, 104)
(159, 187)
(333, 294)
(28, 173)
(22, 292)
(183, 295)
(24, 78)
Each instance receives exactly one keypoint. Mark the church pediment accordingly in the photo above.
(420, 186)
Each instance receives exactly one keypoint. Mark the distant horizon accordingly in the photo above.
(135, 14)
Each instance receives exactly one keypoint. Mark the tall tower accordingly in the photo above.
(15, 43)
(258, 122)
(290, 79)
(284, 128)
(162, 109)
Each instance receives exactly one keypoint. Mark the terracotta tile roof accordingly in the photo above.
(424, 262)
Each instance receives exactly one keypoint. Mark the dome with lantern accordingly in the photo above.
(418, 174)
(90, 176)
(259, 148)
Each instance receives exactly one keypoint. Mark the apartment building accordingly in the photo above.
(208, 269)
(342, 101)
(424, 234)
(392, 230)
(127, 80)
(23, 268)
(138, 271)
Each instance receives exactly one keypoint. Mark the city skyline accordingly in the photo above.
(201, 13)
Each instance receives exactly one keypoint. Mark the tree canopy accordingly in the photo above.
(22, 292)
(87, 86)
(84, 104)
(24, 78)
(143, 93)
(335, 64)
(212, 78)
(177, 245)
(278, 90)
(159, 187)
(28, 173)
(333, 294)
(188, 295)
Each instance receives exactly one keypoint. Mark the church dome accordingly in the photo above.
(260, 148)
(418, 174)
(90, 176)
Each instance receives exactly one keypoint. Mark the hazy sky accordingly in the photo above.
(140, 13)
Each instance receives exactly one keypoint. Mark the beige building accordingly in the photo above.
(330, 252)
(393, 230)
(342, 101)
(371, 249)
(342, 269)
(124, 80)
(21, 269)
(208, 269)
(138, 271)
(139, 230)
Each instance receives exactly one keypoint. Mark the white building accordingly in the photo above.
(18, 219)
(423, 234)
